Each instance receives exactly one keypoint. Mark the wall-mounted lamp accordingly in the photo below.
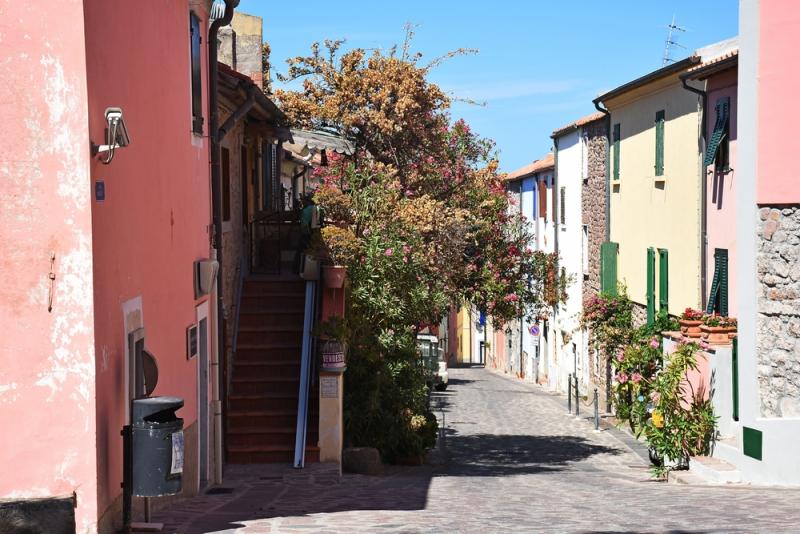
(116, 136)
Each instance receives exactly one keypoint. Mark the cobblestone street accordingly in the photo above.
(511, 460)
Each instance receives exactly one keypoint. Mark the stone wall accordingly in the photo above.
(593, 199)
(778, 320)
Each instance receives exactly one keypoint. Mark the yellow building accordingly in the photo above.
(655, 190)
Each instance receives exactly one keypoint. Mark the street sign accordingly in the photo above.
(534, 330)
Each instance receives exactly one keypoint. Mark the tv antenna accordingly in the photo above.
(671, 41)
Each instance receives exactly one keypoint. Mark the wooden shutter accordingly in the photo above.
(243, 167)
(541, 186)
(660, 143)
(616, 137)
(663, 281)
(608, 267)
(197, 82)
(226, 184)
(735, 378)
(651, 285)
(563, 205)
(720, 130)
(718, 296)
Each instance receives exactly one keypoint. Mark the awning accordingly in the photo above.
(318, 140)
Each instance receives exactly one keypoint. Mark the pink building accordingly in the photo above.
(101, 255)
(720, 119)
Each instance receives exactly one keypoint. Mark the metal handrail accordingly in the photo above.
(238, 304)
(305, 374)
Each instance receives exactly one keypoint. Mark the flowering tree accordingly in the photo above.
(421, 216)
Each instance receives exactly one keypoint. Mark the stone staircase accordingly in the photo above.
(263, 392)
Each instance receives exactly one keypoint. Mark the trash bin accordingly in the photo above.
(157, 446)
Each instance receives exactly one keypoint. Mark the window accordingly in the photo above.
(615, 155)
(608, 267)
(562, 206)
(542, 187)
(659, 143)
(663, 281)
(197, 82)
(651, 285)
(717, 151)
(718, 298)
(554, 201)
(226, 184)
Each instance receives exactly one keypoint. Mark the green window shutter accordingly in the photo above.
(660, 143)
(563, 205)
(735, 378)
(651, 285)
(663, 280)
(718, 296)
(608, 267)
(616, 137)
(720, 130)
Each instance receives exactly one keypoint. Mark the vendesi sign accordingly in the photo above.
(333, 356)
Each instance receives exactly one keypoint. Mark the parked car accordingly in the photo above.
(432, 357)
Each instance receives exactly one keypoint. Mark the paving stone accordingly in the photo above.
(511, 460)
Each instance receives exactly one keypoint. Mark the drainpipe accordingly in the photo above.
(703, 193)
(607, 114)
(216, 206)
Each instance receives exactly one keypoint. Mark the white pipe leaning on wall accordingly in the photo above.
(216, 403)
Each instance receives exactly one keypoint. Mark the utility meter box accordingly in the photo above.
(157, 446)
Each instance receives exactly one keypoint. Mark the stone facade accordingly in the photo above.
(778, 326)
(593, 206)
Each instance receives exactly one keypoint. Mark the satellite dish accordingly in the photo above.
(150, 372)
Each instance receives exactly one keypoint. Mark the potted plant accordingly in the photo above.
(340, 246)
(716, 329)
(690, 322)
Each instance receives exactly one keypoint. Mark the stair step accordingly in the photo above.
(714, 470)
(263, 401)
(277, 302)
(249, 385)
(263, 455)
(270, 287)
(271, 318)
(270, 338)
(267, 369)
(268, 437)
(267, 419)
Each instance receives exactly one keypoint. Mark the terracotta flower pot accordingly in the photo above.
(334, 276)
(690, 327)
(716, 335)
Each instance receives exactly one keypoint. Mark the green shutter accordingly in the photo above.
(608, 267)
(663, 281)
(660, 143)
(735, 378)
(651, 285)
(718, 296)
(720, 130)
(616, 151)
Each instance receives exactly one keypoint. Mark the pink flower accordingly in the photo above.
(636, 378)
(389, 252)
(406, 249)
(620, 356)
(654, 343)
(655, 397)
(622, 378)
(511, 298)
(704, 345)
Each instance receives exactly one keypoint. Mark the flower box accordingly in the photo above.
(334, 276)
(690, 327)
(717, 335)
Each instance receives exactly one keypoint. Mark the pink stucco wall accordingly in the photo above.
(154, 221)
(47, 358)
(721, 189)
(778, 82)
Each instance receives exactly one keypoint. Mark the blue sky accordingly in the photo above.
(540, 63)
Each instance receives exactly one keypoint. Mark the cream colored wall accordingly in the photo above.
(664, 212)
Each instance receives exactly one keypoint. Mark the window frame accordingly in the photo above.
(196, 72)
(660, 123)
(615, 150)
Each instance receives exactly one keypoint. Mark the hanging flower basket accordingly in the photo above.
(334, 276)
